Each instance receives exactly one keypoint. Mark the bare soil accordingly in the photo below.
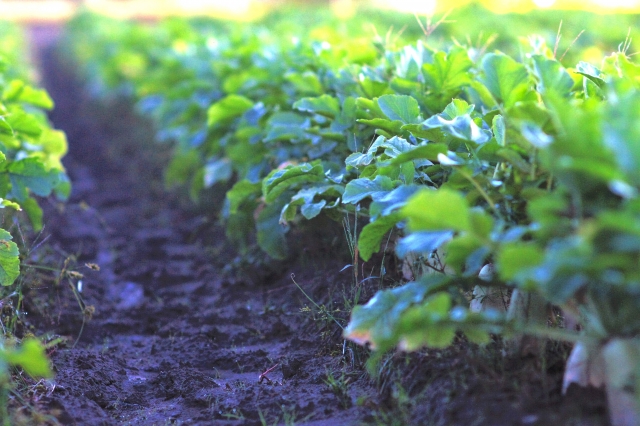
(184, 328)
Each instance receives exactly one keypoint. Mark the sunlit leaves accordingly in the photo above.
(400, 107)
(437, 210)
(9, 261)
(507, 80)
(227, 109)
(31, 356)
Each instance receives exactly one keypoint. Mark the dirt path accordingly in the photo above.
(171, 342)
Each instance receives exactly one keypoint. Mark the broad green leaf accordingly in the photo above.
(457, 108)
(552, 77)
(30, 175)
(422, 242)
(448, 73)
(24, 123)
(460, 250)
(427, 324)
(31, 357)
(400, 107)
(429, 151)
(9, 260)
(226, 109)
(516, 257)
(305, 83)
(286, 126)
(240, 192)
(372, 234)
(216, 171)
(324, 105)
(462, 127)
(279, 181)
(359, 189)
(477, 335)
(513, 158)
(443, 209)
(506, 79)
(182, 167)
(591, 72)
(499, 129)
(53, 142)
(376, 322)
(270, 233)
(391, 127)
(481, 222)
(621, 133)
(19, 91)
(306, 200)
(392, 201)
(34, 212)
(5, 128)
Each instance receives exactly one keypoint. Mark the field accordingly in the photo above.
(381, 219)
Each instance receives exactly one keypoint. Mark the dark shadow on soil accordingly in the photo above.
(173, 340)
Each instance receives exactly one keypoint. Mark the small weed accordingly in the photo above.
(339, 387)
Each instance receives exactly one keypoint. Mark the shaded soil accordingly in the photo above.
(183, 328)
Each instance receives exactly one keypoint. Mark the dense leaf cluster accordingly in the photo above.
(472, 158)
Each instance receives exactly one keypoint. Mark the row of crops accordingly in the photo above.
(507, 178)
(30, 167)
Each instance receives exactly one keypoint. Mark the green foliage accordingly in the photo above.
(473, 158)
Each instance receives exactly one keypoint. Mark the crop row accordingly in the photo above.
(511, 181)
(30, 167)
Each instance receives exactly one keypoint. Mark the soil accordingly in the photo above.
(187, 332)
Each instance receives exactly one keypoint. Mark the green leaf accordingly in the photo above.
(506, 79)
(460, 249)
(591, 72)
(286, 126)
(182, 167)
(429, 151)
(400, 107)
(421, 325)
(390, 126)
(516, 257)
(499, 129)
(279, 181)
(217, 170)
(241, 192)
(226, 109)
(376, 322)
(305, 83)
(477, 335)
(19, 91)
(448, 73)
(270, 234)
(513, 158)
(359, 189)
(24, 123)
(34, 212)
(305, 199)
(552, 77)
(372, 234)
(9, 260)
(31, 357)
(30, 174)
(443, 209)
(461, 127)
(325, 105)
(422, 242)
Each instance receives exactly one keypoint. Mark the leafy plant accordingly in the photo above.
(497, 171)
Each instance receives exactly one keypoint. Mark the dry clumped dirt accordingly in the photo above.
(183, 327)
